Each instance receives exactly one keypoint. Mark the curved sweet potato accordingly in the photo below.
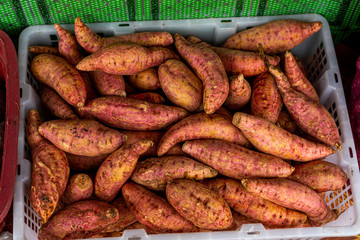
(152, 97)
(209, 68)
(239, 93)
(147, 80)
(85, 163)
(108, 84)
(80, 187)
(201, 126)
(117, 168)
(44, 49)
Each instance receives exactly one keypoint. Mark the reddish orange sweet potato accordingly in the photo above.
(85, 163)
(108, 84)
(132, 114)
(79, 220)
(311, 116)
(276, 36)
(266, 100)
(68, 46)
(82, 137)
(181, 86)
(269, 138)
(44, 49)
(292, 195)
(117, 169)
(155, 173)
(235, 161)
(80, 187)
(209, 68)
(201, 126)
(285, 121)
(126, 217)
(154, 211)
(152, 97)
(110, 59)
(55, 104)
(49, 170)
(243, 62)
(239, 93)
(202, 206)
(297, 78)
(319, 175)
(92, 42)
(147, 80)
(254, 207)
(60, 75)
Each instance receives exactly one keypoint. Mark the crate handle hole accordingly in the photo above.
(18, 170)
(351, 152)
(336, 78)
(226, 20)
(254, 233)
(124, 25)
(135, 238)
(20, 92)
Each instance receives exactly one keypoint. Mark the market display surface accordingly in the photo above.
(216, 147)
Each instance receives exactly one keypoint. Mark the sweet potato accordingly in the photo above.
(154, 211)
(250, 205)
(297, 79)
(92, 42)
(239, 93)
(44, 49)
(202, 206)
(209, 68)
(240, 219)
(235, 161)
(60, 75)
(85, 163)
(266, 101)
(82, 137)
(201, 126)
(285, 121)
(147, 80)
(126, 216)
(193, 39)
(152, 97)
(243, 62)
(269, 138)
(55, 104)
(276, 36)
(117, 169)
(80, 187)
(122, 58)
(108, 84)
(49, 170)
(155, 173)
(311, 116)
(180, 85)
(68, 46)
(319, 175)
(132, 114)
(154, 136)
(292, 195)
(79, 220)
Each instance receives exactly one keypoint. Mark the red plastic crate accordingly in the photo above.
(9, 72)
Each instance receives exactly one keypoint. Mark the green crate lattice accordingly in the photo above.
(15, 15)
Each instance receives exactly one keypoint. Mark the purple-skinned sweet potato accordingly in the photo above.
(82, 137)
(133, 114)
(201, 126)
(155, 173)
(79, 220)
(272, 139)
(154, 211)
(117, 169)
(235, 161)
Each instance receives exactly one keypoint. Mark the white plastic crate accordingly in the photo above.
(319, 57)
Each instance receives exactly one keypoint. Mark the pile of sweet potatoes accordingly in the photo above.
(171, 134)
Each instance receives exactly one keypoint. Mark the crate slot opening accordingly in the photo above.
(253, 233)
